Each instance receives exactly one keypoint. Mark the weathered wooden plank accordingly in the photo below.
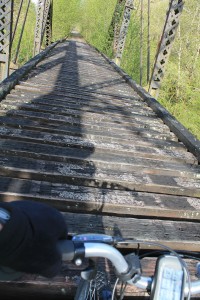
(95, 99)
(98, 116)
(73, 198)
(82, 123)
(175, 234)
(90, 175)
(114, 109)
(64, 154)
(90, 116)
(71, 80)
(90, 144)
(106, 137)
(65, 283)
(91, 101)
(192, 143)
(31, 286)
(127, 95)
(146, 167)
(126, 109)
(78, 107)
(24, 123)
(79, 119)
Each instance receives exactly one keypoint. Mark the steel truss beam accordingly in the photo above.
(115, 24)
(114, 28)
(165, 46)
(6, 16)
(124, 30)
(49, 24)
(43, 22)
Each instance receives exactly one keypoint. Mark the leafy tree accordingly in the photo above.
(180, 89)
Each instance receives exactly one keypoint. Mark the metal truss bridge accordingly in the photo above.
(78, 133)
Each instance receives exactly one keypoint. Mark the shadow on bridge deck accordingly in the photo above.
(73, 134)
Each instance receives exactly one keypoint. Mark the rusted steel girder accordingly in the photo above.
(165, 45)
(114, 28)
(124, 30)
(6, 16)
(49, 24)
(43, 22)
(116, 23)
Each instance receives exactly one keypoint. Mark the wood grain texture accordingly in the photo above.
(75, 135)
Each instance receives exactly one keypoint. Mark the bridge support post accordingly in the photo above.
(114, 28)
(165, 45)
(124, 30)
(6, 19)
(116, 23)
(49, 24)
(43, 22)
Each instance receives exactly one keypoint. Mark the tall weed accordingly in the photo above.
(180, 89)
(27, 42)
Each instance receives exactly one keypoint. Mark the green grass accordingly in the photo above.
(26, 47)
(94, 21)
(65, 17)
(180, 88)
(179, 92)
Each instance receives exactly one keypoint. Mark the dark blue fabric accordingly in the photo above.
(28, 240)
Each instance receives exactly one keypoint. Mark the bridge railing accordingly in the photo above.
(165, 44)
(8, 29)
(119, 24)
(6, 16)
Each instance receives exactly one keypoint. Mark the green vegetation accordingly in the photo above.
(180, 89)
(93, 18)
(26, 47)
(65, 17)
(180, 92)
(94, 21)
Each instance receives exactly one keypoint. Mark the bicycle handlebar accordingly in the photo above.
(66, 249)
(109, 252)
(70, 250)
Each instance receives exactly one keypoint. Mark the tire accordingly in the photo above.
(83, 290)
(96, 289)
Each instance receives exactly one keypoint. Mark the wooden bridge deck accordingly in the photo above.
(75, 135)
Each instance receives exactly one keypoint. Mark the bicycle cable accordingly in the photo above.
(183, 264)
(114, 288)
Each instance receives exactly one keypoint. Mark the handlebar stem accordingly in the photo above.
(146, 282)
